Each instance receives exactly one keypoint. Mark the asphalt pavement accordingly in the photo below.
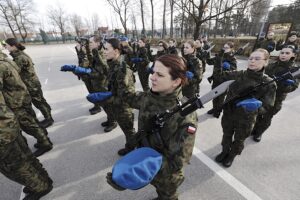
(83, 153)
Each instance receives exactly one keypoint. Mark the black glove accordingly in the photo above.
(112, 183)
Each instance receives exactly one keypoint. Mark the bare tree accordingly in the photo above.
(17, 15)
(164, 29)
(172, 14)
(198, 9)
(58, 16)
(152, 19)
(133, 19)
(142, 14)
(121, 8)
(95, 22)
(76, 22)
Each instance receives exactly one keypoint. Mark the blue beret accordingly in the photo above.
(123, 39)
(137, 169)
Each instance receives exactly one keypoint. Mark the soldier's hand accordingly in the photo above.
(112, 183)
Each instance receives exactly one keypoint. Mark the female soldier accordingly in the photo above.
(193, 65)
(284, 64)
(177, 134)
(141, 62)
(162, 49)
(240, 115)
(120, 80)
(30, 78)
(224, 61)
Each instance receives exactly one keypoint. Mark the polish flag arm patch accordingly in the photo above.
(191, 130)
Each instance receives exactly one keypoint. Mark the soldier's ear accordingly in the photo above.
(177, 82)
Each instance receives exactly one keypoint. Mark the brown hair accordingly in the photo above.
(177, 66)
(191, 42)
(165, 45)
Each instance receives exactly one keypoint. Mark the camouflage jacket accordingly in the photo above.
(120, 80)
(178, 133)
(202, 54)
(27, 71)
(9, 128)
(280, 46)
(245, 79)
(195, 66)
(13, 89)
(143, 53)
(218, 61)
(278, 68)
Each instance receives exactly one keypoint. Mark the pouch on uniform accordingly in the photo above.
(137, 168)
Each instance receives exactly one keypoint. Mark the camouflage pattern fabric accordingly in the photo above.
(142, 68)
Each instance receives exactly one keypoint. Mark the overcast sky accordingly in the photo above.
(107, 16)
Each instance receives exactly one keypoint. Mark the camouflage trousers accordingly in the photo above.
(40, 102)
(29, 124)
(237, 126)
(166, 182)
(18, 164)
(263, 121)
(124, 116)
(144, 77)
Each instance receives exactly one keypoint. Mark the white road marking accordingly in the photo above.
(46, 81)
(49, 68)
(228, 178)
(22, 193)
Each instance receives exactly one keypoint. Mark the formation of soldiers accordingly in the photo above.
(107, 69)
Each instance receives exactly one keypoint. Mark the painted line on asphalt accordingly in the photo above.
(228, 178)
(46, 81)
(72, 49)
(49, 69)
(22, 194)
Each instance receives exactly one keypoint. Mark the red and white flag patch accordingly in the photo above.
(191, 129)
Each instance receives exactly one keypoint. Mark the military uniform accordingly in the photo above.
(236, 122)
(203, 56)
(178, 138)
(173, 50)
(217, 77)
(31, 80)
(193, 65)
(18, 100)
(121, 80)
(264, 120)
(267, 44)
(142, 68)
(17, 162)
(288, 43)
(99, 82)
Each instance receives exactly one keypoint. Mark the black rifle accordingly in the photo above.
(253, 89)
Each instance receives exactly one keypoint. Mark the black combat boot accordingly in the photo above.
(26, 190)
(104, 124)
(96, 109)
(46, 122)
(211, 111)
(229, 160)
(38, 195)
(216, 114)
(43, 147)
(221, 156)
(256, 137)
(124, 151)
(110, 127)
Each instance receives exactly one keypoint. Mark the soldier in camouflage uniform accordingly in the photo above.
(292, 41)
(141, 62)
(31, 80)
(238, 122)
(178, 134)
(120, 80)
(172, 47)
(18, 100)
(267, 43)
(98, 80)
(202, 54)
(16, 160)
(195, 66)
(224, 61)
(284, 64)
